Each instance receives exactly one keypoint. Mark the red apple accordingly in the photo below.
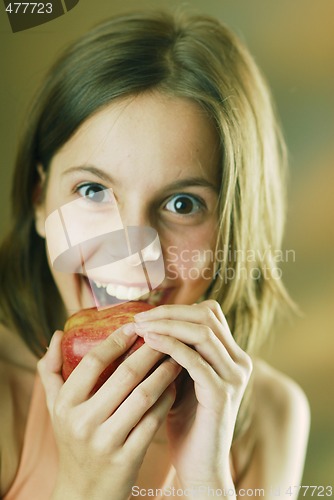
(88, 327)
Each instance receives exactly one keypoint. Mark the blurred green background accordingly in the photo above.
(293, 42)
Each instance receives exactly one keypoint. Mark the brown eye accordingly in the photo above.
(184, 204)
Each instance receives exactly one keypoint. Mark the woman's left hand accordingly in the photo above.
(201, 424)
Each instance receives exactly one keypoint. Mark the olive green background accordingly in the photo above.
(293, 42)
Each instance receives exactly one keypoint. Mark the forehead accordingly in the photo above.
(151, 131)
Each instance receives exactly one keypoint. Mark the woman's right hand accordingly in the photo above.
(102, 438)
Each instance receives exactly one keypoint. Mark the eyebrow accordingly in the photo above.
(93, 170)
(192, 181)
(182, 183)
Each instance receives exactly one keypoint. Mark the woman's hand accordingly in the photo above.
(102, 439)
(201, 423)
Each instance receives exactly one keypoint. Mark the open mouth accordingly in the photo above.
(107, 294)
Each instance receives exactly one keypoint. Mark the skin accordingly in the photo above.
(155, 140)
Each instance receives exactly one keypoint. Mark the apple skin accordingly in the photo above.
(88, 327)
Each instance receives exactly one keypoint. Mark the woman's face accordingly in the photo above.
(155, 160)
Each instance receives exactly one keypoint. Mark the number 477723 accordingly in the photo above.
(313, 491)
(29, 8)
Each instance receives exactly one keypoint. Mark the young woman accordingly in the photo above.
(173, 116)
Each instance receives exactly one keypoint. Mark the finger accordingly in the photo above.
(82, 380)
(143, 397)
(215, 307)
(201, 372)
(142, 434)
(207, 313)
(49, 369)
(223, 332)
(120, 384)
(198, 335)
(210, 388)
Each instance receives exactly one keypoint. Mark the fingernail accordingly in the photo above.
(129, 329)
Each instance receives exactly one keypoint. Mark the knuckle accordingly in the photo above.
(208, 314)
(127, 372)
(245, 361)
(171, 394)
(197, 361)
(93, 360)
(205, 333)
(100, 356)
(242, 375)
(169, 370)
(61, 411)
(117, 341)
(152, 422)
(144, 399)
(248, 364)
(100, 445)
(239, 377)
(79, 430)
(214, 306)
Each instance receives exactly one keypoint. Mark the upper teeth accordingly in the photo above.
(122, 292)
(126, 293)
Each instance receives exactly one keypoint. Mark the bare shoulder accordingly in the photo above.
(279, 395)
(280, 430)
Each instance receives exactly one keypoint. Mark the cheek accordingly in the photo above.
(191, 260)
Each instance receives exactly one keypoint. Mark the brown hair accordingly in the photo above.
(195, 57)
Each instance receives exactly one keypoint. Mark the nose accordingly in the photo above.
(134, 210)
(143, 244)
(139, 224)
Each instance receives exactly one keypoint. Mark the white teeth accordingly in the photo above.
(125, 293)
(122, 292)
(134, 293)
(98, 284)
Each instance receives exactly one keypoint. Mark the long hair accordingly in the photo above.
(194, 57)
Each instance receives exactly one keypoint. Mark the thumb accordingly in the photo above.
(49, 369)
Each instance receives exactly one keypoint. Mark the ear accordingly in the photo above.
(38, 201)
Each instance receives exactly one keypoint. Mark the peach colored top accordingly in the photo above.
(37, 472)
(38, 466)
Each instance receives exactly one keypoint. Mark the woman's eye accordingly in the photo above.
(184, 204)
(95, 192)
